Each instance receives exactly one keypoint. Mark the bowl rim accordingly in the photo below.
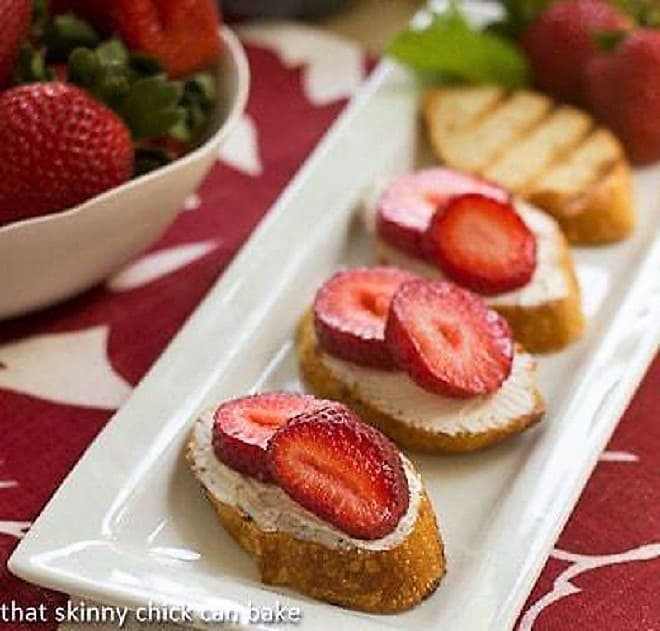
(232, 47)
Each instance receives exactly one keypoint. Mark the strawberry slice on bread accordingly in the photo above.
(482, 244)
(508, 251)
(448, 340)
(407, 205)
(243, 428)
(325, 460)
(460, 383)
(343, 516)
(350, 313)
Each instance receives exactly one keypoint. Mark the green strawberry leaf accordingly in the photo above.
(198, 100)
(31, 66)
(149, 103)
(151, 107)
(112, 53)
(449, 48)
(65, 33)
(148, 159)
(201, 86)
(144, 65)
(84, 67)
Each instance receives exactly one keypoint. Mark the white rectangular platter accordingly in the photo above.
(130, 525)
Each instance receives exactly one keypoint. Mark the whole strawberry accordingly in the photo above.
(58, 148)
(15, 17)
(561, 40)
(181, 34)
(623, 90)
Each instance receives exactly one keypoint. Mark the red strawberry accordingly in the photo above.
(623, 89)
(342, 470)
(482, 244)
(58, 148)
(244, 426)
(406, 207)
(448, 340)
(350, 311)
(15, 18)
(561, 40)
(182, 34)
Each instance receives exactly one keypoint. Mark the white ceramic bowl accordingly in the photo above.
(46, 259)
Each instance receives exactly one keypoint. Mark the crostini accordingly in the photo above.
(325, 504)
(426, 362)
(440, 223)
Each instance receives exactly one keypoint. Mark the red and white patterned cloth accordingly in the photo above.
(64, 371)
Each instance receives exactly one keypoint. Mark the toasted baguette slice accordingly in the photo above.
(417, 419)
(546, 314)
(553, 155)
(382, 576)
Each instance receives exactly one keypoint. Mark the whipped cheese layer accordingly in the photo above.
(548, 283)
(398, 396)
(273, 510)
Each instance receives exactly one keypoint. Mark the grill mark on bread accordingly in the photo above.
(583, 166)
(574, 201)
(506, 123)
(583, 181)
(465, 115)
(539, 148)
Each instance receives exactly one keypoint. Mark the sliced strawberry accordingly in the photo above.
(406, 207)
(243, 427)
(448, 340)
(342, 470)
(482, 244)
(350, 311)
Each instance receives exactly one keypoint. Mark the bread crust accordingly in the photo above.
(602, 213)
(321, 382)
(553, 325)
(376, 581)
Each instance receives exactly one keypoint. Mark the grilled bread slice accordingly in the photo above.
(381, 576)
(553, 155)
(417, 419)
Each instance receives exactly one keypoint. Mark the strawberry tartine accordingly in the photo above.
(326, 504)
(440, 223)
(427, 362)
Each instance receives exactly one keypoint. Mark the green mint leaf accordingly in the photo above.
(66, 33)
(448, 46)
